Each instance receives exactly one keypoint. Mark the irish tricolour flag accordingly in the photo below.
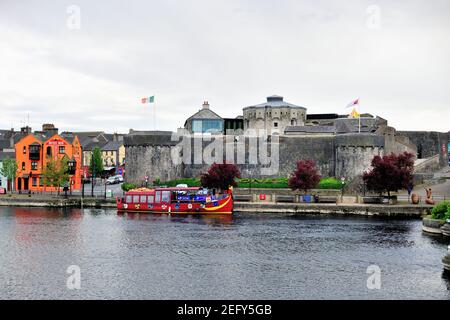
(148, 100)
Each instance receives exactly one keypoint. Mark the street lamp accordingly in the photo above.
(342, 189)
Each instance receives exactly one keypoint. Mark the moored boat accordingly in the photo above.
(175, 201)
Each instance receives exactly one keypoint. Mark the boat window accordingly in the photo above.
(165, 197)
(151, 199)
(136, 199)
(143, 199)
(158, 197)
(129, 199)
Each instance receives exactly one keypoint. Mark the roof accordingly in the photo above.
(352, 125)
(5, 144)
(112, 146)
(276, 102)
(94, 144)
(204, 114)
(310, 129)
(7, 154)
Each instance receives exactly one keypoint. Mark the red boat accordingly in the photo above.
(175, 201)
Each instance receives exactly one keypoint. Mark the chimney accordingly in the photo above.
(49, 129)
(25, 130)
(206, 105)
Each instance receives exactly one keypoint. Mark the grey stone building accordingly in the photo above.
(274, 116)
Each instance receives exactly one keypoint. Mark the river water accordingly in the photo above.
(239, 257)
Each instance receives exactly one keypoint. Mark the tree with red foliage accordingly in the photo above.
(305, 177)
(221, 176)
(390, 173)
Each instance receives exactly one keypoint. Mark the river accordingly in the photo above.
(240, 257)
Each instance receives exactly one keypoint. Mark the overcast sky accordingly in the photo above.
(393, 55)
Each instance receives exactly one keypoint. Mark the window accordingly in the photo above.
(49, 151)
(34, 165)
(202, 126)
(136, 199)
(165, 197)
(143, 199)
(129, 199)
(62, 149)
(158, 197)
(23, 165)
(35, 152)
(150, 199)
(275, 124)
(24, 150)
(41, 181)
(34, 182)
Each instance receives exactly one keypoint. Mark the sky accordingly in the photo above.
(85, 65)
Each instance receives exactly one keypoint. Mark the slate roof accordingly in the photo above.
(310, 129)
(4, 155)
(5, 144)
(204, 114)
(276, 102)
(93, 144)
(112, 146)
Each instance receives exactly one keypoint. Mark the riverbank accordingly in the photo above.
(401, 210)
(407, 211)
(56, 202)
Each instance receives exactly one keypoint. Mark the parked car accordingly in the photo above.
(2, 190)
(114, 179)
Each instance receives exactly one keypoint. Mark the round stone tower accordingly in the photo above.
(274, 116)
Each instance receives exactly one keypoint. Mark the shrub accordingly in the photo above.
(390, 173)
(221, 176)
(330, 183)
(305, 177)
(441, 210)
(128, 186)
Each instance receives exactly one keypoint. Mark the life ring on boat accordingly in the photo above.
(190, 206)
(208, 199)
(125, 206)
(164, 207)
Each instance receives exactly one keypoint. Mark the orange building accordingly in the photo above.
(33, 152)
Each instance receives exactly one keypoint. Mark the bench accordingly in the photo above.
(286, 199)
(242, 197)
(327, 199)
(373, 200)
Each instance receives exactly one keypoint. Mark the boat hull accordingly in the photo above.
(219, 207)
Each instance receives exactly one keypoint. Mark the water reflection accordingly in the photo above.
(143, 256)
(213, 220)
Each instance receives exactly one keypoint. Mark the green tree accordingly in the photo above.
(56, 172)
(9, 170)
(96, 165)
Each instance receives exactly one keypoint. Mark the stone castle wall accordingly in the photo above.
(340, 156)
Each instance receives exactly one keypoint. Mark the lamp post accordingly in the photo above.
(93, 173)
(342, 189)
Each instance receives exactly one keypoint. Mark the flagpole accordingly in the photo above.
(359, 118)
